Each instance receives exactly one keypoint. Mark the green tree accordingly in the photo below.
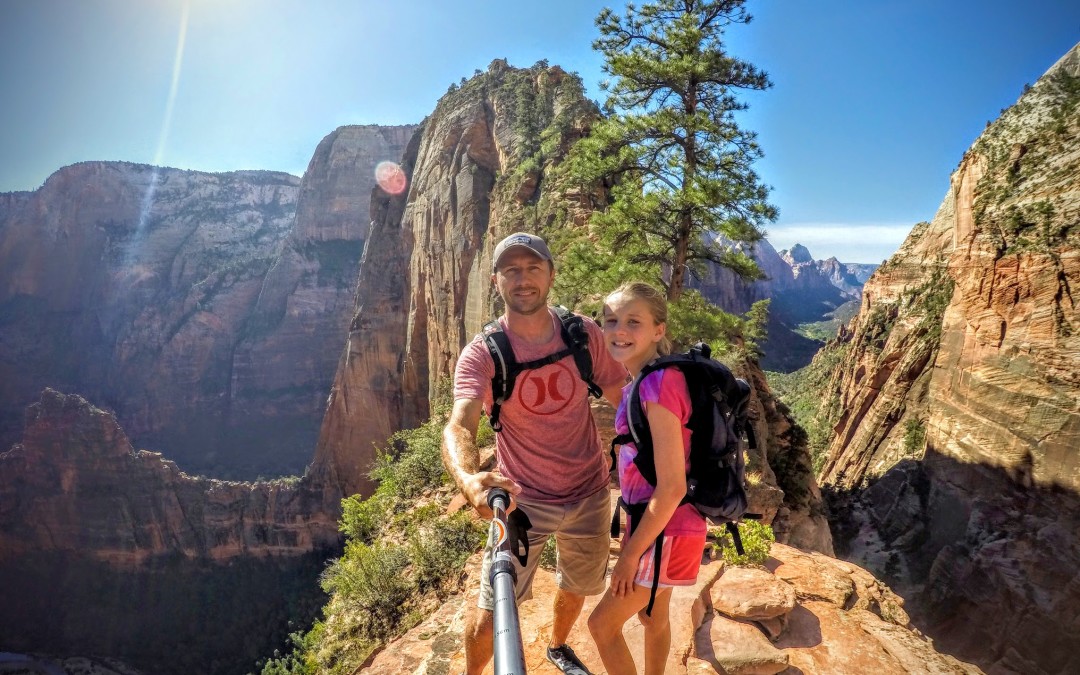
(679, 165)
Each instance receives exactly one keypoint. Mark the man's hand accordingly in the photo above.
(476, 486)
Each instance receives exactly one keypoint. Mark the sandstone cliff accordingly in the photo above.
(75, 484)
(205, 309)
(965, 361)
(481, 168)
(476, 173)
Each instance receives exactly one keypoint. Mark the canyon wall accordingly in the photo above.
(204, 309)
(482, 167)
(957, 447)
(75, 484)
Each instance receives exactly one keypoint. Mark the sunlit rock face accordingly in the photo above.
(477, 172)
(800, 612)
(965, 359)
(204, 309)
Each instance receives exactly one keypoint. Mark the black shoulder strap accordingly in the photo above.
(576, 337)
(506, 368)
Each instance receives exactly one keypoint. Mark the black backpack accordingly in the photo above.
(507, 368)
(715, 482)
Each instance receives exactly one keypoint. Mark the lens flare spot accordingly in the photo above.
(390, 177)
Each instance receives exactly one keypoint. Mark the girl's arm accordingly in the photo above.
(670, 489)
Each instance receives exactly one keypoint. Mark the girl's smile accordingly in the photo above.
(631, 331)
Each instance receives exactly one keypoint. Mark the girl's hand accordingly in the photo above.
(622, 576)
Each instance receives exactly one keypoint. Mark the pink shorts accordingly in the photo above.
(679, 561)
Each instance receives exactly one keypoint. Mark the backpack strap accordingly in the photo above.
(507, 367)
(634, 514)
(576, 337)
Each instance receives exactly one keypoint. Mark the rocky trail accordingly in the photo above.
(800, 613)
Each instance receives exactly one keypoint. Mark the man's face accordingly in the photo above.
(524, 280)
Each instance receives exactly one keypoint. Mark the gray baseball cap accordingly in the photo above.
(522, 240)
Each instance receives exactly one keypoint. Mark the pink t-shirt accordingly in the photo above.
(549, 444)
(665, 387)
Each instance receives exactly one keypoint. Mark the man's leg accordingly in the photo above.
(565, 611)
(583, 543)
(479, 628)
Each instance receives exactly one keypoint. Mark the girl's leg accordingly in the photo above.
(606, 623)
(657, 632)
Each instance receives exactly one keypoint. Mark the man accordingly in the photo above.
(548, 451)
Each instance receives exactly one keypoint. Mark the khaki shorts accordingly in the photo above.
(582, 538)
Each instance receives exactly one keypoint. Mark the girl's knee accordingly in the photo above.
(658, 620)
(600, 626)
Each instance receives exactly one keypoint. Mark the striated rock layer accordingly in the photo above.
(205, 309)
(960, 394)
(477, 172)
(75, 484)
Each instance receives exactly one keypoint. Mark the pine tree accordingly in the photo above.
(679, 163)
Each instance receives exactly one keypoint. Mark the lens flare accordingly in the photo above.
(390, 177)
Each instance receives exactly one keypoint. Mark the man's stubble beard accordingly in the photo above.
(530, 309)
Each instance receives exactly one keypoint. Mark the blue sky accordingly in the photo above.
(873, 102)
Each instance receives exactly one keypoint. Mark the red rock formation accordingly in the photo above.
(975, 312)
(965, 361)
(76, 484)
(829, 617)
(205, 309)
(425, 284)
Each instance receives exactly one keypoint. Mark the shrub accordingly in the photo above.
(757, 539)
(372, 579)
(439, 546)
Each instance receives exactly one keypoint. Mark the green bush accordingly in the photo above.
(361, 519)
(371, 578)
(914, 436)
(439, 546)
(757, 539)
(417, 466)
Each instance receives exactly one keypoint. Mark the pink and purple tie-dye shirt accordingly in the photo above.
(665, 387)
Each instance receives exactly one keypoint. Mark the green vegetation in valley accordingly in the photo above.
(403, 556)
(810, 396)
(823, 331)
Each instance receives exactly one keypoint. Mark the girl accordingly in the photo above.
(635, 327)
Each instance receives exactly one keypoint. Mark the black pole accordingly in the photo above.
(509, 653)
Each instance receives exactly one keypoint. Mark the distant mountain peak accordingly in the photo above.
(799, 254)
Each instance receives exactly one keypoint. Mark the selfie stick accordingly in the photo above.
(509, 654)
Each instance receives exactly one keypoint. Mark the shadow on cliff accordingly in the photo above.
(173, 616)
(986, 559)
(109, 552)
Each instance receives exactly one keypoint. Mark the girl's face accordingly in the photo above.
(631, 332)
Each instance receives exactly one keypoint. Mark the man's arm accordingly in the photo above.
(461, 457)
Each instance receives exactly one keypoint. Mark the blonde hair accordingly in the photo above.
(655, 300)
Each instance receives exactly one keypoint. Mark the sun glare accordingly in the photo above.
(390, 177)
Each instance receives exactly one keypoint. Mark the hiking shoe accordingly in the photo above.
(567, 661)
